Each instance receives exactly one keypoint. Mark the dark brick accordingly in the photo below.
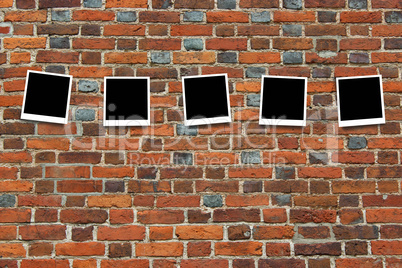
(114, 186)
(318, 158)
(333, 249)
(82, 234)
(354, 172)
(282, 200)
(59, 3)
(356, 248)
(285, 173)
(356, 232)
(183, 158)
(198, 216)
(394, 43)
(213, 201)
(358, 4)
(393, 16)
(326, 16)
(239, 232)
(25, 4)
(119, 250)
(324, 72)
(90, 29)
(227, 57)
(59, 42)
(359, 58)
(252, 186)
(349, 201)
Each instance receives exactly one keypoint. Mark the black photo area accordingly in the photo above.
(206, 97)
(126, 99)
(283, 98)
(360, 98)
(47, 95)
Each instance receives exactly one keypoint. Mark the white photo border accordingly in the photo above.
(283, 121)
(45, 118)
(212, 120)
(127, 123)
(360, 122)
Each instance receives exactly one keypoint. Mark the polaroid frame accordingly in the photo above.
(210, 120)
(127, 122)
(283, 121)
(360, 122)
(45, 118)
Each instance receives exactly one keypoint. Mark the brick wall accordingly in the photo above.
(229, 195)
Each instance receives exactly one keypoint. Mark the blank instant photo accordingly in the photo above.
(360, 100)
(283, 101)
(206, 99)
(126, 101)
(46, 97)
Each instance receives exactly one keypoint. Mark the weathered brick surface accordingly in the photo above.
(226, 195)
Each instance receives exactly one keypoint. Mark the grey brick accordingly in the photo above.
(393, 17)
(250, 157)
(255, 72)
(292, 30)
(283, 200)
(263, 16)
(88, 86)
(326, 16)
(193, 44)
(55, 69)
(252, 186)
(227, 57)
(194, 16)
(357, 143)
(318, 158)
(293, 57)
(253, 100)
(186, 130)
(293, 4)
(324, 72)
(59, 42)
(114, 186)
(85, 115)
(7, 200)
(358, 4)
(126, 16)
(160, 57)
(213, 201)
(183, 158)
(359, 58)
(227, 4)
(92, 3)
(61, 15)
(285, 173)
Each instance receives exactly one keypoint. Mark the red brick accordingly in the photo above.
(238, 248)
(160, 216)
(359, 262)
(273, 232)
(294, 16)
(200, 232)
(80, 249)
(178, 201)
(360, 44)
(43, 232)
(127, 3)
(247, 200)
(108, 201)
(124, 263)
(26, 16)
(227, 16)
(216, 263)
(293, 43)
(259, 57)
(386, 4)
(360, 17)
(159, 16)
(167, 249)
(384, 215)
(386, 247)
(123, 233)
(12, 250)
(161, 232)
(226, 44)
(325, 3)
(38, 263)
(93, 15)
